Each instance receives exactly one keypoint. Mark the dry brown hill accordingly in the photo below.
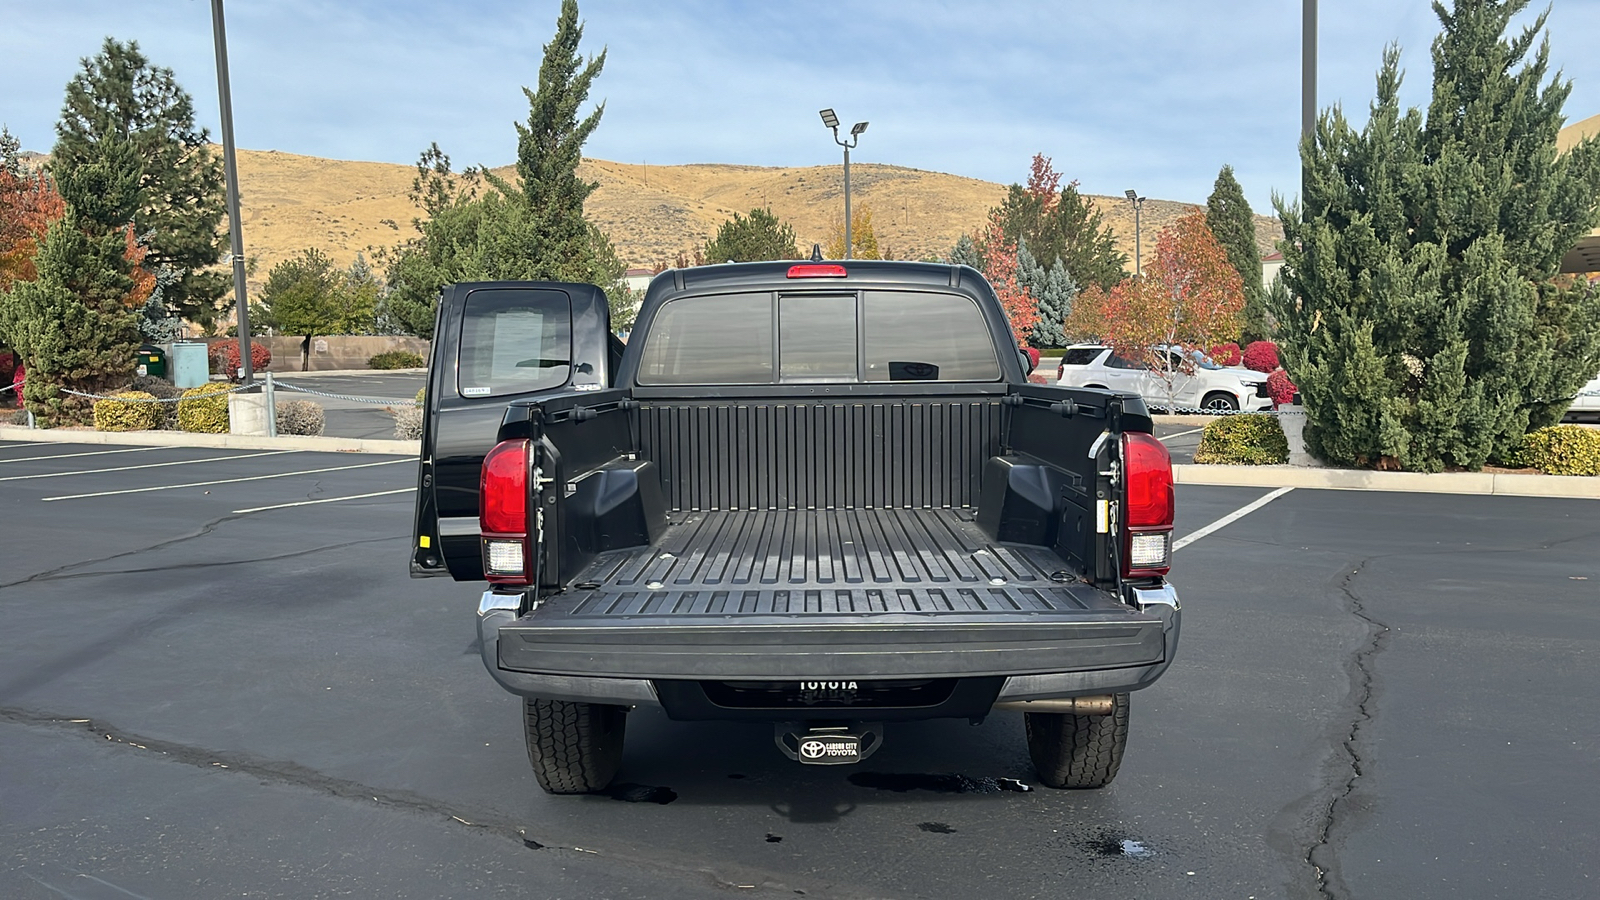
(651, 212)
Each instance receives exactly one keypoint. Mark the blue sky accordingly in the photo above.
(1150, 94)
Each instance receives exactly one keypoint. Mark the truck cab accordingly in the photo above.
(816, 496)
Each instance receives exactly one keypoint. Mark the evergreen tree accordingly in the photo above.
(1053, 290)
(179, 203)
(965, 253)
(1429, 327)
(1060, 223)
(70, 326)
(1233, 222)
(533, 231)
(760, 236)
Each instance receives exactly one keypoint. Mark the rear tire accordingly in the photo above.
(574, 748)
(1071, 751)
(1220, 403)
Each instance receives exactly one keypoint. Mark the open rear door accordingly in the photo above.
(493, 343)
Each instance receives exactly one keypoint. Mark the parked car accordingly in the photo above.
(1586, 407)
(1205, 385)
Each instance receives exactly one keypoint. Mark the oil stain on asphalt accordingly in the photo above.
(641, 793)
(936, 828)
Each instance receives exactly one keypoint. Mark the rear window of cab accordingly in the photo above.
(782, 337)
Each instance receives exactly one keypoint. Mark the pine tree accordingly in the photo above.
(535, 230)
(1060, 223)
(70, 325)
(179, 203)
(965, 253)
(747, 239)
(1430, 327)
(1053, 291)
(1232, 220)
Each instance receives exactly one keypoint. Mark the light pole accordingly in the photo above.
(1138, 203)
(231, 170)
(856, 130)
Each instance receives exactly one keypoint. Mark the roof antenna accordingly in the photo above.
(816, 253)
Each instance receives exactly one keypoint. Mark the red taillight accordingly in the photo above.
(503, 513)
(817, 271)
(1147, 528)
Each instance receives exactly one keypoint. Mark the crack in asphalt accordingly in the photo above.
(202, 531)
(294, 774)
(183, 567)
(1321, 854)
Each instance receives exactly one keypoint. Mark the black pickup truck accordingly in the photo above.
(819, 495)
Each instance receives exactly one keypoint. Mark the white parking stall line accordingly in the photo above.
(10, 459)
(1229, 519)
(181, 462)
(173, 487)
(404, 490)
(1181, 433)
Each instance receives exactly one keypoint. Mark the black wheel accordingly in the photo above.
(574, 748)
(1220, 403)
(1071, 751)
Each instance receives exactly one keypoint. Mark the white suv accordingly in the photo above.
(1207, 385)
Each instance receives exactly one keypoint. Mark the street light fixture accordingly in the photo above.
(1138, 202)
(831, 121)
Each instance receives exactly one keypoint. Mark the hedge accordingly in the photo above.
(205, 408)
(1261, 356)
(1255, 439)
(121, 415)
(224, 356)
(1560, 450)
(395, 359)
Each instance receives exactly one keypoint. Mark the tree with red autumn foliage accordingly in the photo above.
(28, 204)
(1000, 266)
(1190, 297)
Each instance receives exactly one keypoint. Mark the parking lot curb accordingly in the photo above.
(337, 372)
(221, 441)
(1483, 483)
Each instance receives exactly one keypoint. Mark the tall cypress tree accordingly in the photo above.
(1429, 326)
(532, 230)
(1232, 220)
(120, 96)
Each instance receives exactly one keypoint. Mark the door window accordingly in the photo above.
(514, 341)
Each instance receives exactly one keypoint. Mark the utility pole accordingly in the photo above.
(231, 169)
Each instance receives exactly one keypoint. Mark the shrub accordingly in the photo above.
(16, 417)
(300, 417)
(421, 392)
(395, 359)
(408, 423)
(1033, 357)
(1256, 439)
(1559, 450)
(1280, 387)
(204, 409)
(225, 357)
(126, 414)
(159, 388)
(1261, 356)
(1226, 354)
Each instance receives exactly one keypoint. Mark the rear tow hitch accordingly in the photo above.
(816, 744)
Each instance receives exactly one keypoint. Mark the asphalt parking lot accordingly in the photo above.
(217, 680)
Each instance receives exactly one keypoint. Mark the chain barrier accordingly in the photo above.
(233, 390)
(380, 401)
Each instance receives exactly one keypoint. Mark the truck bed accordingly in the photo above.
(853, 593)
